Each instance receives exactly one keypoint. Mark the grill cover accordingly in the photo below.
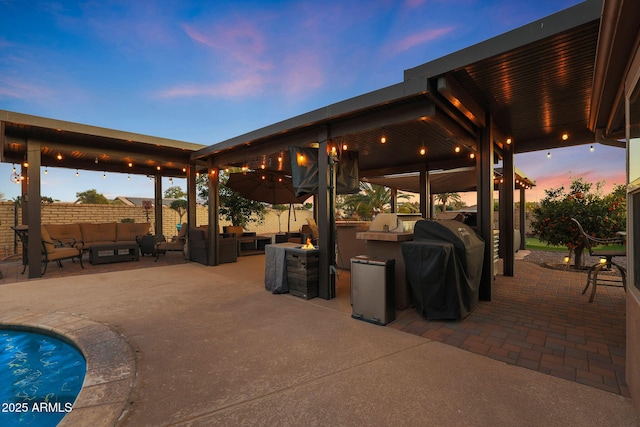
(444, 268)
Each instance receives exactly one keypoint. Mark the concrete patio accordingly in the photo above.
(188, 344)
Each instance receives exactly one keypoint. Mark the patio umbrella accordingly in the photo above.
(268, 187)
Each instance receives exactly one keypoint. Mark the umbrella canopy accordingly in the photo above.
(268, 187)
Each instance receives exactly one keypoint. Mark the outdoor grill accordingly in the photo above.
(444, 267)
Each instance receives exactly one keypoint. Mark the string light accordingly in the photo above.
(128, 177)
(104, 175)
(46, 171)
(591, 148)
(565, 136)
(77, 173)
(472, 155)
(548, 154)
(457, 149)
(59, 156)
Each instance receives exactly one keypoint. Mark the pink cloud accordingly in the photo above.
(241, 43)
(251, 85)
(417, 39)
(14, 88)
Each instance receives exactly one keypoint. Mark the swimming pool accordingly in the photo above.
(40, 378)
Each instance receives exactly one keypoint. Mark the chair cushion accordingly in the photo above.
(49, 247)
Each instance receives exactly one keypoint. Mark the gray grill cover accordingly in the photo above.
(444, 268)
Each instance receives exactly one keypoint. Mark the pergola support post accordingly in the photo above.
(214, 214)
(523, 219)
(34, 214)
(326, 219)
(157, 205)
(484, 166)
(506, 211)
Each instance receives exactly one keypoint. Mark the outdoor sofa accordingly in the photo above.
(85, 235)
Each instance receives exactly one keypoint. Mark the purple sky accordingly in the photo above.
(205, 71)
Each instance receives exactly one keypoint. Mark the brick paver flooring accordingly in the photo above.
(539, 320)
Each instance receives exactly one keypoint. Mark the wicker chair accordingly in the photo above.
(199, 247)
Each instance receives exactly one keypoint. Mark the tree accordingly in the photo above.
(175, 192)
(600, 216)
(233, 207)
(446, 197)
(91, 196)
(371, 199)
(180, 204)
(279, 209)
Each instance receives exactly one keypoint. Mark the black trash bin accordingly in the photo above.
(444, 268)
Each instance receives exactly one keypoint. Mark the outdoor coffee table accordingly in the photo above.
(252, 245)
(113, 252)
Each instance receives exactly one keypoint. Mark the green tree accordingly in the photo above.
(601, 216)
(409, 207)
(233, 207)
(180, 206)
(180, 203)
(279, 210)
(175, 192)
(444, 198)
(371, 199)
(91, 196)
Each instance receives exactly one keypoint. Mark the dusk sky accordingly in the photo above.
(206, 71)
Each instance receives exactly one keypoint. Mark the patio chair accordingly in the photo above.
(51, 252)
(597, 247)
(175, 244)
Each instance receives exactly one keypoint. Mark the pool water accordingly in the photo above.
(40, 378)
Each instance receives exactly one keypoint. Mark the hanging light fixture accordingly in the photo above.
(548, 154)
(591, 149)
(565, 136)
(104, 175)
(456, 149)
(472, 155)
(77, 173)
(46, 171)
(423, 149)
(59, 156)
(383, 138)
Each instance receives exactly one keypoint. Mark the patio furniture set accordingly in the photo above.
(104, 242)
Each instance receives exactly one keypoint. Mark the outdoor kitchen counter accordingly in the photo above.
(385, 244)
(385, 236)
(348, 245)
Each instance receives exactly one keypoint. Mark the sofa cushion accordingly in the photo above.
(103, 232)
(128, 231)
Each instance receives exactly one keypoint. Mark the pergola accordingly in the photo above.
(34, 142)
(518, 92)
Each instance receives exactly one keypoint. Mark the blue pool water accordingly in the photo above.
(40, 378)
